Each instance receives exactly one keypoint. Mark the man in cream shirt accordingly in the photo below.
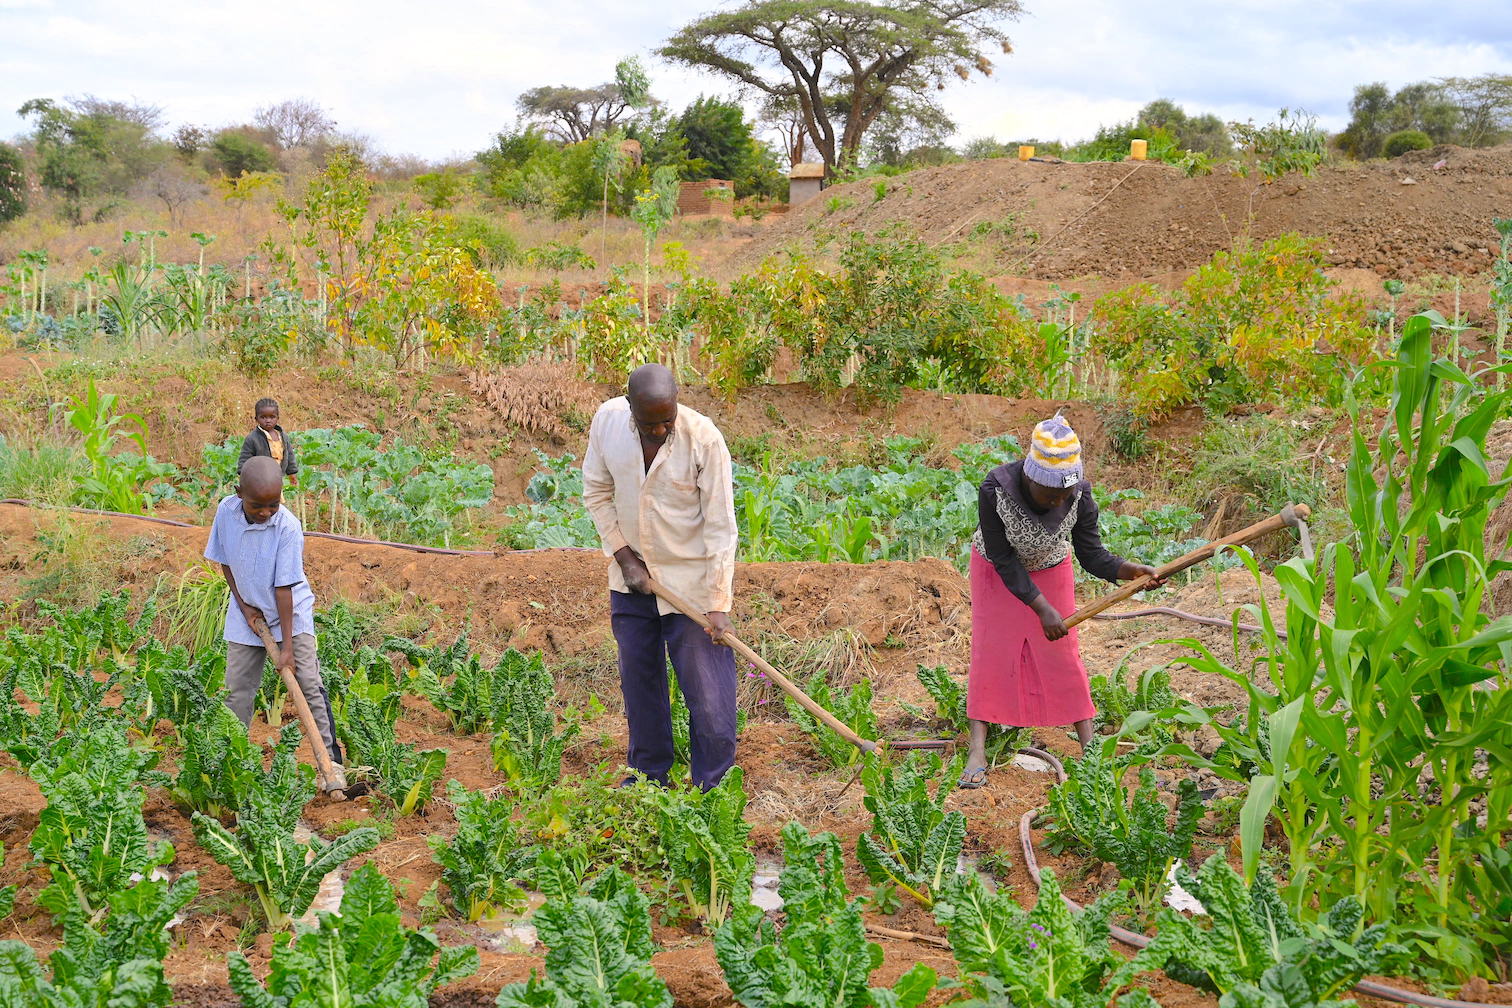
(656, 479)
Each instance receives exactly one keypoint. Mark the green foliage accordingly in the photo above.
(1461, 111)
(484, 862)
(1251, 941)
(1293, 143)
(598, 948)
(368, 711)
(117, 481)
(820, 957)
(949, 695)
(1254, 467)
(915, 844)
(117, 965)
(255, 335)
(527, 745)
(1134, 711)
(363, 956)
(1091, 810)
(400, 490)
(708, 847)
(264, 853)
(220, 769)
(1259, 321)
(852, 707)
(1047, 957)
(1402, 141)
(1379, 680)
(92, 152)
(240, 155)
(91, 836)
(440, 190)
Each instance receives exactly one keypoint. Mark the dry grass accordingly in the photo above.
(539, 398)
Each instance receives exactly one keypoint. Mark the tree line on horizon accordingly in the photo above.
(850, 85)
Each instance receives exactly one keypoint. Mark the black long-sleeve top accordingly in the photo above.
(1000, 551)
(256, 443)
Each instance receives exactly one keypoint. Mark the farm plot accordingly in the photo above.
(493, 757)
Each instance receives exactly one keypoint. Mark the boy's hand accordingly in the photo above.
(252, 614)
(286, 655)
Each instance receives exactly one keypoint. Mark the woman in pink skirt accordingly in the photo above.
(1026, 669)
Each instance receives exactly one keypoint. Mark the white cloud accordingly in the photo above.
(440, 79)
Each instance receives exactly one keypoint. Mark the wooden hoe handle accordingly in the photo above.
(788, 686)
(301, 707)
(1292, 515)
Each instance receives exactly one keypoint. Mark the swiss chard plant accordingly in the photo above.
(483, 863)
(949, 695)
(365, 724)
(914, 844)
(1248, 942)
(472, 695)
(851, 706)
(1047, 957)
(528, 744)
(1134, 832)
(599, 947)
(363, 956)
(820, 955)
(174, 684)
(114, 964)
(707, 844)
(91, 836)
(265, 853)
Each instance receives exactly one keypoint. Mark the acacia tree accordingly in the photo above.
(573, 114)
(844, 62)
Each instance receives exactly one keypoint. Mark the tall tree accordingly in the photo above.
(574, 114)
(294, 123)
(844, 62)
(90, 151)
(1485, 105)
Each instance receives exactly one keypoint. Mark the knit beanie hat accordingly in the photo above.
(1054, 458)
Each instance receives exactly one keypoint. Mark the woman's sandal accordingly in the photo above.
(972, 777)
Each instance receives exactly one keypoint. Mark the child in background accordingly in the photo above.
(259, 546)
(270, 440)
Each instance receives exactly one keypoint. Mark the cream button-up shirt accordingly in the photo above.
(679, 515)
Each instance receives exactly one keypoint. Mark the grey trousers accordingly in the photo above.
(244, 673)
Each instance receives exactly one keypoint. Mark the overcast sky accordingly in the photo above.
(439, 78)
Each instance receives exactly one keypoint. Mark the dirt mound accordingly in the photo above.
(1416, 215)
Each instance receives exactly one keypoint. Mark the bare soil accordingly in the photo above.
(1091, 227)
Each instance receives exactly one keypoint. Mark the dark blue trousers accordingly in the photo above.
(705, 675)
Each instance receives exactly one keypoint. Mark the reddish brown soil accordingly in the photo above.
(1123, 222)
(922, 604)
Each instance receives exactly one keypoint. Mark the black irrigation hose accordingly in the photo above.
(308, 535)
(1136, 940)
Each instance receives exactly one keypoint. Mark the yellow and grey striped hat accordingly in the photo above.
(1054, 458)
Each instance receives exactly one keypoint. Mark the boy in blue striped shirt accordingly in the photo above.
(259, 545)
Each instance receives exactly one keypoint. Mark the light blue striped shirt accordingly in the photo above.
(262, 558)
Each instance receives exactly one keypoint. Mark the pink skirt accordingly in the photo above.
(1018, 677)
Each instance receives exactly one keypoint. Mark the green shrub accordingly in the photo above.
(12, 184)
(489, 244)
(1402, 141)
(239, 155)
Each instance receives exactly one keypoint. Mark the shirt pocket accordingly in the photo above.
(680, 509)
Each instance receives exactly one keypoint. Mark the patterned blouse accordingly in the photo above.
(1016, 539)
